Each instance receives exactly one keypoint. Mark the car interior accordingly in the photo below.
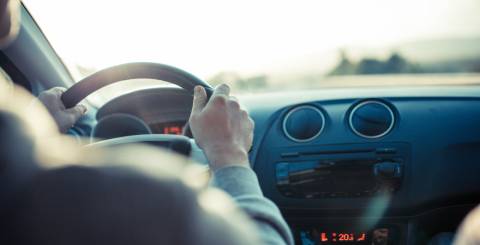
(345, 165)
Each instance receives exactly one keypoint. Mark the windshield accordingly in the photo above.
(271, 45)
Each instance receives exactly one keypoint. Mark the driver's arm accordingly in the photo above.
(64, 118)
(225, 132)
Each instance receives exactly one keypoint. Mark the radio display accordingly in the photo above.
(325, 178)
(378, 236)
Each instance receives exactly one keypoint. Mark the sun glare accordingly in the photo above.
(206, 37)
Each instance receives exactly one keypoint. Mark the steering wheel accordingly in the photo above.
(145, 70)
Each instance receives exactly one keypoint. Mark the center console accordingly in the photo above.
(327, 190)
(346, 176)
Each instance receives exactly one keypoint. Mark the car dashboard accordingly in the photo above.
(352, 165)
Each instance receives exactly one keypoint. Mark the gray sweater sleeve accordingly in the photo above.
(242, 184)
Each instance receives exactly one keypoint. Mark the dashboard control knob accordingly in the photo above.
(388, 170)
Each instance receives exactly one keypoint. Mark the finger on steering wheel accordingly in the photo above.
(221, 90)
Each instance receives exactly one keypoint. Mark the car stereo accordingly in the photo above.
(340, 177)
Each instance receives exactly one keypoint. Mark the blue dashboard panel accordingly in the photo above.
(438, 138)
(424, 171)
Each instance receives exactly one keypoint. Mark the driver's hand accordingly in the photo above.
(65, 118)
(221, 127)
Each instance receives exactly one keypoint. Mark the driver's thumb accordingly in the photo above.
(199, 99)
(76, 112)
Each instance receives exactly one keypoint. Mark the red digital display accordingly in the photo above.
(172, 130)
(378, 236)
(168, 128)
(342, 237)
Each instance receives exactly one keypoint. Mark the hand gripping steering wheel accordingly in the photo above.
(145, 70)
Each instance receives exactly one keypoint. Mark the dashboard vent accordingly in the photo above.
(303, 123)
(371, 119)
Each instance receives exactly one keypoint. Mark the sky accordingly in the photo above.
(247, 36)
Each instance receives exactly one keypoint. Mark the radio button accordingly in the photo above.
(387, 170)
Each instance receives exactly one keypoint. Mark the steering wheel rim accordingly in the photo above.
(137, 70)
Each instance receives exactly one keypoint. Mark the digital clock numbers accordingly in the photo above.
(168, 128)
(313, 236)
(342, 237)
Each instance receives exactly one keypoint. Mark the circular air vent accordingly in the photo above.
(371, 119)
(303, 123)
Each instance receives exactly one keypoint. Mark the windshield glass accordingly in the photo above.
(272, 45)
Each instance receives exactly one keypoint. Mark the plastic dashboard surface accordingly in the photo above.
(435, 142)
(436, 135)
